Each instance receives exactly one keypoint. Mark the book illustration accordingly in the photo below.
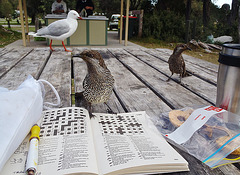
(63, 122)
(120, 125)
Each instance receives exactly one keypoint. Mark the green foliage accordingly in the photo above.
(6, 8)
(164, 25)
(166, 21)
(109, 6)
(8, 36)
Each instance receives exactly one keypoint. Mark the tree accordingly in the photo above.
(206, 13)
(238, 25)
(188, 13)
(234, 11)
(33, 9)
(7, 10)
(134, 4)
(110, 6)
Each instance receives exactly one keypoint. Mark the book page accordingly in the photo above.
(124, 141)
(65, 147)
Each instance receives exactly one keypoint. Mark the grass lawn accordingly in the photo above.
(19, 29)
(8, 36)
(198, 53)
(12, 22)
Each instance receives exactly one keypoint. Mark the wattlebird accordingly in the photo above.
(59, 30)
(98, 83)
(176, 61)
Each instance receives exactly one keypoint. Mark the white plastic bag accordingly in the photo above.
(20, 109)
(210, 134)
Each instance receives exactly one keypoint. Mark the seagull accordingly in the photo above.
(59, 30)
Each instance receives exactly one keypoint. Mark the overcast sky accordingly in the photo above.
(219, 3)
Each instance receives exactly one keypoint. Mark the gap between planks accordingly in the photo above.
(16, 63)
(177, 81)
(190, 72)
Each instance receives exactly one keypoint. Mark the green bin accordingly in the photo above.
(132, 27)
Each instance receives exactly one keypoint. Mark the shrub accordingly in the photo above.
(164, 25)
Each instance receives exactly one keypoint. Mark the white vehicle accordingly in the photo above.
(114, 21)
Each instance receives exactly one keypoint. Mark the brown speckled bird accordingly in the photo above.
(98, 83)
(176, 61)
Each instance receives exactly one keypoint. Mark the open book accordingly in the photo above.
(111, 144)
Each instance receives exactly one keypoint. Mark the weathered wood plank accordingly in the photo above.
(198, 86)
(11, 59)
(198, 67)
(196, 166)
(203, 89)
(134, 94)
(30, 65)
(229, 169)
(4, 51)
(58, 72)
(197, 61)
(79, 72)
(178, 96)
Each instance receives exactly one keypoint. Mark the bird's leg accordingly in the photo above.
(65, 47)
(89, 108)
(169, 77)
(51, 46)
(110, 111)
(80, 101)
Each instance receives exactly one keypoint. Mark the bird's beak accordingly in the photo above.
(80, 18)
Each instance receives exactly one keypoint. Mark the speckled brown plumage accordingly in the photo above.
(98, 83)
(176, 61)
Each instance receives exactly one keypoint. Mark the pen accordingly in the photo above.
(32, 158)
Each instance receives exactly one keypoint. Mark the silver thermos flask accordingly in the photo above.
(228, 80)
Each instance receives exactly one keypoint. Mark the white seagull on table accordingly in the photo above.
(59, 30)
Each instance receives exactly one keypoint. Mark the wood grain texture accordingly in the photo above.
(194, 84)
(30, 65)
(11, 59)
(172, 91)
(140, 83)
(58, 73)
(4, 50)
(197, 66)
(136, 96)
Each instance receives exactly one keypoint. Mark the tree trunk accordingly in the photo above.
(239, 25)
(206, 13)
(188, 13)
(33, 19)
(234, 11)
(8, 21)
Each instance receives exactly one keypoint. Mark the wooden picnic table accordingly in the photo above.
(140, 83)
